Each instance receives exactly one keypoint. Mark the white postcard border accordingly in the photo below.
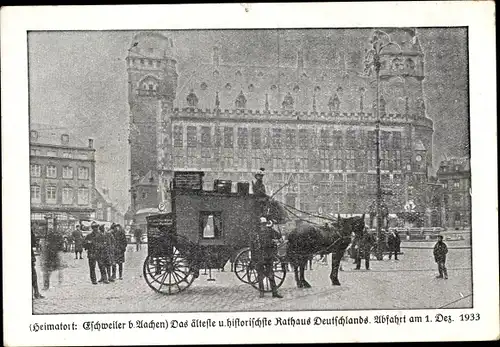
(478, 16)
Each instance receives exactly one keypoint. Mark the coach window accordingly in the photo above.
(210, 225)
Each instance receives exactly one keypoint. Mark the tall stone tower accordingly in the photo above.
(401, 85)
(152, 79)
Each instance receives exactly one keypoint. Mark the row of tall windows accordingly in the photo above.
(51, 171)
(281, 138)
(67, 195)
(327, 160)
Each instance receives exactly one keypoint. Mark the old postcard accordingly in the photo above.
(249, 173)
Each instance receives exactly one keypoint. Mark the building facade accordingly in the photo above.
(62, 178)
(308, 120)
(454, 175)
(105, 209)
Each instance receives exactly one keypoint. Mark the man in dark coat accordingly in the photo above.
(78, 240)
(263, 252)
(120, 248)
(51, 258)
(138, 237)
(258, 186)
(440, 251)
(394, 243)
(93, 245)
(107, 255)
(363, 248)
(34, 278)
(259, 190)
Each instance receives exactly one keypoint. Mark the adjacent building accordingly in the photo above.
(306, 113)
(454, 175)
(62, 171)
(105, 209)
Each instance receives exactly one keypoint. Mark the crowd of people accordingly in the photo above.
(105, 248)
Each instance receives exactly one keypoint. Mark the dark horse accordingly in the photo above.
(307, 241)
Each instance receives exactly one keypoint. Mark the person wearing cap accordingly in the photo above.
(258, 186)
(440, 251)
(92, 245)
(263, 251)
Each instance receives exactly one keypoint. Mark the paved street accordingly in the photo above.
(405, 284)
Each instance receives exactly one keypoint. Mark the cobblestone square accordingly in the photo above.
(409, 283)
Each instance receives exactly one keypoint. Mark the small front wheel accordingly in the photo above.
(244, 268)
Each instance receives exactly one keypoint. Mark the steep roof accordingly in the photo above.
(150, 178)
(50, 134)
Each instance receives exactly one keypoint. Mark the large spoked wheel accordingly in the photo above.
(244, 268)
(168, 274)
(279, 271)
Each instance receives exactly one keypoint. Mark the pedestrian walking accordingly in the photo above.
(138, 237)
(440, 251)
(363, 248)
(120, 248)
(93, 246)
(34, 277)
(78, 241)
(51, 259)
(263, 250)
(394, 244)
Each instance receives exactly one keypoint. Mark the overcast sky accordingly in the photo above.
(79, 80)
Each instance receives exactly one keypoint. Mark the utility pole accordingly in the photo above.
(373, 64)
(379, 255)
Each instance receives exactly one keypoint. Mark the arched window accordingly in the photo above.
(203, 86)
(334, 103)
(251, 88)
(192, 99)
(241, 101)
(288, 102)
(410, 64)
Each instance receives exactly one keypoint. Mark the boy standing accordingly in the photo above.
(440, 251)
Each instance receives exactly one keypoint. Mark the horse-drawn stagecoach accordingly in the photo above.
(205, 230)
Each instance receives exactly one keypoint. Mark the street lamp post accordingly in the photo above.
(372, 63)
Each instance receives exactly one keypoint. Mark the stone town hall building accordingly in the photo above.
(310, 113)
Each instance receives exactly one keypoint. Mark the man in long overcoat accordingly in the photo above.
(51, 258)
(263, 251)
(363, 248)
(78, 240)
(93, 245)
(394, 243)
(440, 251)
(120, 248)
(107, 254)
